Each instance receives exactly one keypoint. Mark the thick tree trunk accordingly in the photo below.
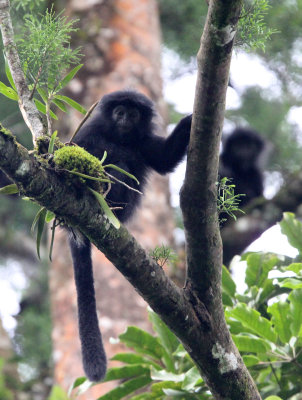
(121, 48)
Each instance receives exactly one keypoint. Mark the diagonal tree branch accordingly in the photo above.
(194, 314)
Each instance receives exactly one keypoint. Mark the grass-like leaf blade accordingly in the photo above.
(111, 217)
(9, 75)
(8, 92)
(52, 142)
(39, 221)
(42, 108)
(121, 171)
(71, 103)
(69, 76)
(53, 230)
(9, 189)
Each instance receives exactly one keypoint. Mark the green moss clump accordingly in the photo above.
(76, 159)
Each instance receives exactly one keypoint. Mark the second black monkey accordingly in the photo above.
(122, 124)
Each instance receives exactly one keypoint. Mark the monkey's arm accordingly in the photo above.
(163, 155)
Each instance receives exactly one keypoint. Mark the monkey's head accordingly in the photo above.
(129, 115)
(243, 148)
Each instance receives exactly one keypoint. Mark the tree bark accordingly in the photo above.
(122, 49)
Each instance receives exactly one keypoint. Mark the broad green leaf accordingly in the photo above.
(9, 189)
(295, 267)
(9, 75)
(252, 319)
(249, 361)
(142, 342)
(42, 108)
(71, 103)
(128, 371)
(258, 267)
(126, 388)
(250, 344)
(78, 382)
(292, 228)
(281, 320)
(192, 379)
(157, 389)
(273, 398)
(49, 216)
(291, 283)
(132, 358)
(295, 306)
(227, 300)
(52, 142)
(8, 92)
(228, 285)
(69, 76)
(167, 338)
(164, 375)
(109, 214)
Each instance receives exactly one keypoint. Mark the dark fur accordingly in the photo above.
(239, 160)
(138, 151)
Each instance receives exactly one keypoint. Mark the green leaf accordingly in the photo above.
(228, 285)
(122, 171)
(39, 221)
(167, 338)
(291, 283)
(142, 342)
(164, 375)
(52, 142)
(292, 228)
(295, 267)
(126, 388)
(42, 108)
(49, 216)
(8, 92)
(125, 372)
(252, 319)
(258, 267)
(295, 298)
(43, 94)
(69, 77)
(192, 379)
(157, 389)
(60, 105)
(71, 103)
(132, 358)
(78, 382)
(250, 344)
(109, 214)
(9, 189)
(273, 398)
(9, 75)
(280, 318)
(53, 229)
(249, 361)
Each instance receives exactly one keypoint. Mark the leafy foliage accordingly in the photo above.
(265, 322)
(163, 254)
(227, 200)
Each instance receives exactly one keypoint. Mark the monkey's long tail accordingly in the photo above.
(93, 353)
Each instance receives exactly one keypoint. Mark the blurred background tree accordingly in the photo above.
(121, 45)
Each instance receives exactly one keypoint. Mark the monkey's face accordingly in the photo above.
(125, 118)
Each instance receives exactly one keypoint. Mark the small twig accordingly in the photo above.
(122, 183)
(36, 83)
(87, 115)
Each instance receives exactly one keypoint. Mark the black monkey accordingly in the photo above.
(122, 124)
(239, 160)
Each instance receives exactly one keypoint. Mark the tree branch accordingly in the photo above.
(29, 111)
